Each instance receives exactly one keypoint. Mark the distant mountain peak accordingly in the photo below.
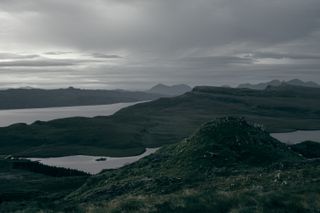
(277, 83)
(173, 90)
(160, 85)
(295, 81)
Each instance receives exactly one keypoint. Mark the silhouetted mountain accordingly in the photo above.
(39, 98)
(297, 82)
(260, 86)
(276, 83)
(170, 90)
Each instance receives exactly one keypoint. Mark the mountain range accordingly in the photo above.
(41, 98)
(164, 121)
(28, 97)
(276, 83)
(216, 155)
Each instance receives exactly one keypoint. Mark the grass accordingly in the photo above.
(181, 178)
(21, 189)
(228, 165)
(308, 149)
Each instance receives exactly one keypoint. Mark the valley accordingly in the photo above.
(164, 121)
(216, 155)
(159, 106)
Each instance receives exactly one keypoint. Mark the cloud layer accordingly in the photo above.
(136, 43)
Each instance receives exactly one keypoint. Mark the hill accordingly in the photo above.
(276, 83)
(40, 98)
(170, 90)
(308, 149)
(164, 121)
(227, 166)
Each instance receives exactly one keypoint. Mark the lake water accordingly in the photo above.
(90, 164)
(28, 116)
(297, 136)
(80, 162)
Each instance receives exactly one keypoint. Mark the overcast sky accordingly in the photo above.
(134, 44)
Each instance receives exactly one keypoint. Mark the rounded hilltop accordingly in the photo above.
(230, 141)
(221, 148)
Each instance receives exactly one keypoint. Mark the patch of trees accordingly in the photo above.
(46, 170)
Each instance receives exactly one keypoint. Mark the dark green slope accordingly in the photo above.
(308, 149)
(226, 166)
(231, 141)
(22, 190)
(39, 98)
(164, 121)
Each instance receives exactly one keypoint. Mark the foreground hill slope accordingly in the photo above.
(227, 166)
(308, 149)
(164, 121)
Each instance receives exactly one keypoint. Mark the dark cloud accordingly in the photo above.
(6, 56)
(219, 60)
(169, 40)
(57, 53)
(169, 26)
(38, 63)
(46, 62)
(105, 56)
(275, 55)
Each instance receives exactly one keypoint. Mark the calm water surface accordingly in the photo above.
(80, 162)
(297, 136)
(90, 164)
(28, 116)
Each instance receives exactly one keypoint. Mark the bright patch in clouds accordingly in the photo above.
(137, 43)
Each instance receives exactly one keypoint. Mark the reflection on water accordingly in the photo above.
(297, 136)
(92, 164)
(8, 117)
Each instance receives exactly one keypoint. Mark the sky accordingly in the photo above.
(134, 44)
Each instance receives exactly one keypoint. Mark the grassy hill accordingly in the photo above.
(227, 165)
(308, 149)
(164, 121)
(215, 148)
